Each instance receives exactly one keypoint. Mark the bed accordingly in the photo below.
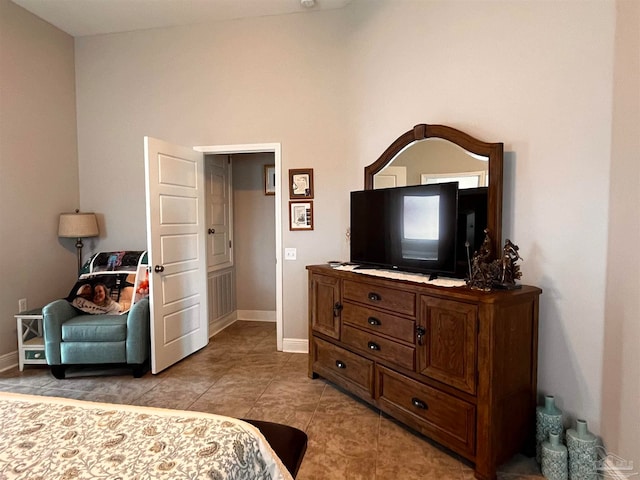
(57, 438)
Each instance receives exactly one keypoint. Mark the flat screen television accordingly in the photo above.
(411, 228)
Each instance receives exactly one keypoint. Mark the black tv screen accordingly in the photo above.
(406, 228)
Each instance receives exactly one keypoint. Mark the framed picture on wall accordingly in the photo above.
(300, 215)
(269, 179)
(301, 183)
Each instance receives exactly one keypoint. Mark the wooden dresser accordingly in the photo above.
(455, 364)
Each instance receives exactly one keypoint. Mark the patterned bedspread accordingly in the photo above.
(45, 438)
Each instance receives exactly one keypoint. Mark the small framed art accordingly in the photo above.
(301, 183)
(269, 179)
(300, 215)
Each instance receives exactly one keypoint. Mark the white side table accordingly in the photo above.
(30, 341)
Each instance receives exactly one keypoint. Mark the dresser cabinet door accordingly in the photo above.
(324, 303)
(447, 342)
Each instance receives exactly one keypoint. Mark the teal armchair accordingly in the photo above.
(72, 337)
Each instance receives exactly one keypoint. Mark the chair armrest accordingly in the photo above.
(138, 339)
(53, 316)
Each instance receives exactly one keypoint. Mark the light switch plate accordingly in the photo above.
(290, 253)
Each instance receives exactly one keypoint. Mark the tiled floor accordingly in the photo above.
(241, 374)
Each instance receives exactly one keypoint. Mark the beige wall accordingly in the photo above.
(336, 88)
(264, 80)
(513, 72)
(38, 165)
(254, 232)
(621, 364)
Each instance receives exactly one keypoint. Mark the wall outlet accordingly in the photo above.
(22, 305)
(290, 253)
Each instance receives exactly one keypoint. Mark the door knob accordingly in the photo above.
(212, 231)
(159, 268)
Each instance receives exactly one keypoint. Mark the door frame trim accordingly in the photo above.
(276, 149)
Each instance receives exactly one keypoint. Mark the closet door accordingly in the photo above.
(218, 212)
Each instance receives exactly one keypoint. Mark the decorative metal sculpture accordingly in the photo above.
(510, 270)
(487, 272)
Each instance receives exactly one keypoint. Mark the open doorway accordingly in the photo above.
(240, 225)
(262, 153)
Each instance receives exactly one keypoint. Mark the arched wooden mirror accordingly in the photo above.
(437, 153)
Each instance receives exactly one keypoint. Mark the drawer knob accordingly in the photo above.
(37, 355)
(373, 321)
(340, 364)
(373, 346)
(374, 297)
(416, 402)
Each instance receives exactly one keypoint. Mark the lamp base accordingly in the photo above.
(79, 246)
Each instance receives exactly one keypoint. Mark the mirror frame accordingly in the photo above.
(493, 151)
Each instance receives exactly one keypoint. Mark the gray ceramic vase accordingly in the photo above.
(554, 459)
(583, 452)
(548, 420)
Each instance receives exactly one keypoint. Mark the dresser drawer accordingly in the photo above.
(380, 347)
(378, 322)
(337, 364)
(399, 301)
(441, 416)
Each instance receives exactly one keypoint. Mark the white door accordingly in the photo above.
(218, 211)
(174, 178)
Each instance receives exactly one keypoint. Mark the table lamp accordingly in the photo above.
(78, 225)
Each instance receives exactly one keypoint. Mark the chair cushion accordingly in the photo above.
(95, 328)
(92, 353)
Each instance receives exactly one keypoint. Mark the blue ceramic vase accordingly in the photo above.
(583, 452)
(548, 420)
(554, 458)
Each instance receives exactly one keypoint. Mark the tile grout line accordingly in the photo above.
(264, 390)
(315, 410)
(375, 472)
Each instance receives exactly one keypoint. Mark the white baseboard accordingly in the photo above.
(221, 323)
(295, 345)
(257, 315)
(8, 360)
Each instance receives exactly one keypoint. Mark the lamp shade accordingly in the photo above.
(78, 225)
